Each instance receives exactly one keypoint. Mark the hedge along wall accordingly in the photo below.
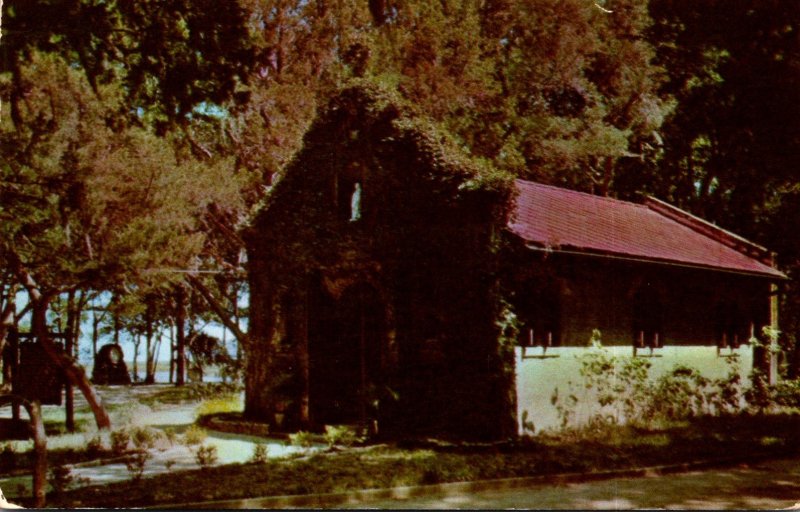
(427, 244)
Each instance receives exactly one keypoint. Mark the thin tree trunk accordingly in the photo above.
(69, 346)
(95, 335)
(180, 335)
(149, 372)
(137, 341)
(40, 451)
(171, 351)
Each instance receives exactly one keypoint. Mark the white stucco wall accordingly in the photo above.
(538, 378)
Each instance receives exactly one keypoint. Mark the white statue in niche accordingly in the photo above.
(355, 203)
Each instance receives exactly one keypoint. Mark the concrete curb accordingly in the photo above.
(329, 500)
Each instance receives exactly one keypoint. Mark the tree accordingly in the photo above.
(556, 91)
(731, 144)
(169, 56)
(87, 205)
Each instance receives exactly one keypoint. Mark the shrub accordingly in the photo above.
(60, 478)
(194, 435)
(136, 463)
(343, 435)
(302, 439)
(95, 446)
(144, 437)
(786, 393)
(119, 441)
(679, 394)
(217, 405)
(260, 453)
(206, 456)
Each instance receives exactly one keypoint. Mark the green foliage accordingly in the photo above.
(626, 394)
(206, 456)
(60, 478)
(145, 438)
(260, 454)
(171, 58)
(787, 394)
(194, 435)
(136, 462)
(95, 446)
(302, 439)
(220, 404)
(378, 467)
(119, 441)
(343, 435)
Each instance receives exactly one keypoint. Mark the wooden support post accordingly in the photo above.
(773, 342)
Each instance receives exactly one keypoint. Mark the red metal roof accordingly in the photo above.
(564, 220)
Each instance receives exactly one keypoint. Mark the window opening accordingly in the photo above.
(731, 327)
(647, 328)
(539, 314)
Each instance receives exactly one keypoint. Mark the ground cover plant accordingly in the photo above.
(601, 448)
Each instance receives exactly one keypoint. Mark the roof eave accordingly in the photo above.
(776, 276)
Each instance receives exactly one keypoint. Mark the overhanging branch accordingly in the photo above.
(215, 304)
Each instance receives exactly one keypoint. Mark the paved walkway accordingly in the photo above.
(765, 485)
(231, 448)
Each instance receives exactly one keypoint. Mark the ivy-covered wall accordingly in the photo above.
(406, 272)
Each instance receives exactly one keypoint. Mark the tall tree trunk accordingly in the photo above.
(150, 363)
(40, 451)
(95, 334)
(180, 336)
(137, 341)
(171, 351)
(69, 346)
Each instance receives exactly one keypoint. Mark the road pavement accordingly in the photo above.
(764, 485)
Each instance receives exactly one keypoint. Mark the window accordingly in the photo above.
(647, 328)
(539, 312)
(731, 327)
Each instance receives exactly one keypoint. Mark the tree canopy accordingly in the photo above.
(142, 135)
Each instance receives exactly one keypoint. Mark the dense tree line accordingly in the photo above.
(140, 136)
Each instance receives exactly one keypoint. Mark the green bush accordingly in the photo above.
(194, 435)
(136, 463)
(119, 441)
(260, 453)
(221, 404)
(95, 447)
(624, 392)
(206, 456)
(302, 439)
(786, 393)
(343, 435)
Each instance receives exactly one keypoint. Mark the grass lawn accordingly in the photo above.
(414, 463)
